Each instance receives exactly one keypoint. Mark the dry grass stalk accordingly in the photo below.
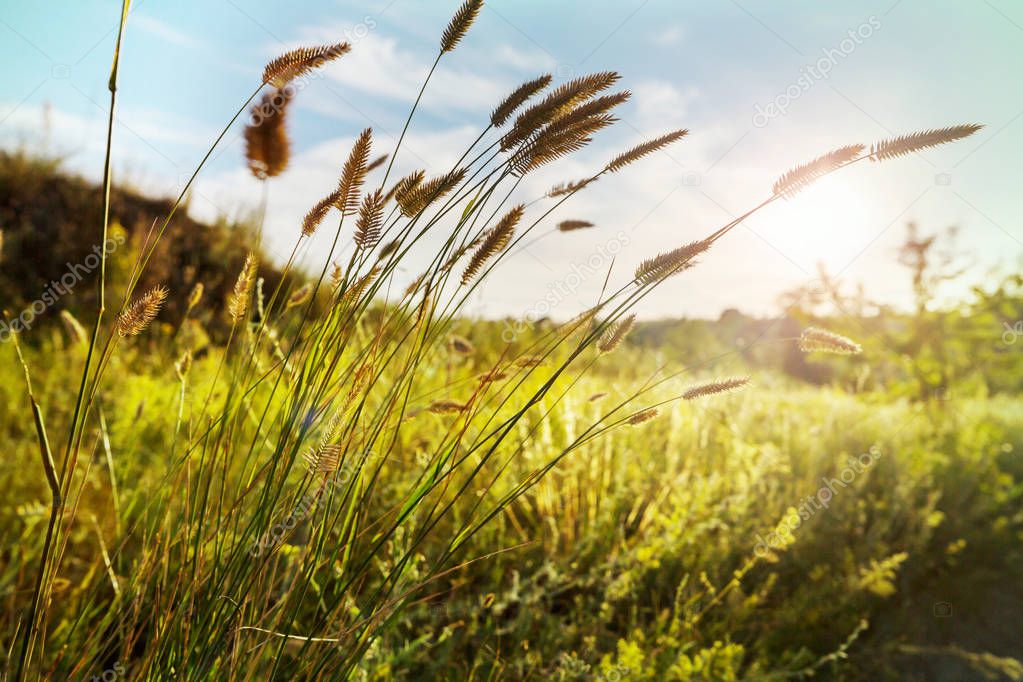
(517, 98)
(295, 63)
(670, 263)
(371, 218)
(906, 144)
(818, 340)
(802, 176)
(141, 312)
(267, 147)
(496, 240)
(238, 301)
(614, 336)
(529, 361)
(459, 24)
(570, 225)
(622, 160)
(353, 174)
(714, 387)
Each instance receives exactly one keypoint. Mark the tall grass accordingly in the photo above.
(274, 543)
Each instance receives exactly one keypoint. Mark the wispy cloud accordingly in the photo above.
(164, 31)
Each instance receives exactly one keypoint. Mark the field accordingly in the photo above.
(218, 466)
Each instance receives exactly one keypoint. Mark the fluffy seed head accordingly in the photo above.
(419, 198)
(317, 213)
(906, 144)
(622, 160)
(570, 225)
(461, 345)
(818, 340)
(670, 263)
(295, 63)
(643, 416)
(615, 334)
(371, 218)
(497, 238)
(565, 188)
(559, 102)
(805, 174)
(324, 460)
(517, 98)
(267, 147)
(714, 387)
(195, 296)
(353, 174)
(300, 295)
(446, 407)
(141, 312)
(405, 185)
(459, 24)
(238, 301)
(376, 163)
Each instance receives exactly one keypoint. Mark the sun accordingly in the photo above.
(829, 222)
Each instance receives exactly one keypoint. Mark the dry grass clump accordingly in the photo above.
(233, 461)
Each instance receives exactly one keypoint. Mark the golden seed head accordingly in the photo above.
(713, 387)
(141, 312)
(822, 341)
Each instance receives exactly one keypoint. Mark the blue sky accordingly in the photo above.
(707, 66)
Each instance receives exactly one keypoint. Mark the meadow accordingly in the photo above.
(223, 467)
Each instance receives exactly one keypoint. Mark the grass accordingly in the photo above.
(340, 486)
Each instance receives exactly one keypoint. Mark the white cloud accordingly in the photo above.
(669, 35)
(662, 105)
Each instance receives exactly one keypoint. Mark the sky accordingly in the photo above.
(762, 86)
